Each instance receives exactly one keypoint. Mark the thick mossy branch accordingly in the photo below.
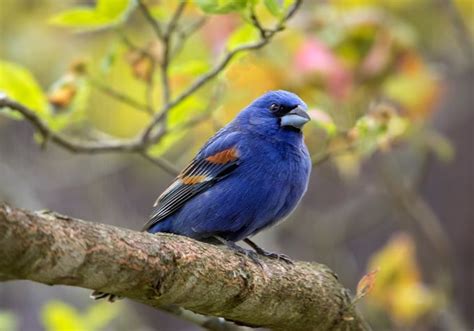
(164, 269)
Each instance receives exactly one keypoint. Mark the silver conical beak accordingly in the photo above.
(296, 118)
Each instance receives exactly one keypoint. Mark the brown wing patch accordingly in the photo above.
(226, 156)
(190, 180)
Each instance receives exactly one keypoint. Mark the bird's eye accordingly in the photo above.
(274, 107)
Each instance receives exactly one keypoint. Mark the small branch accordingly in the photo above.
(207, 77)
(151, 20)
(150, 85)
(418, 213)
(163, 270)
(127, 42)
(176, 16)
(317, 160)
(462, 32)
(165, 61)
(184, 35)
(77, 146)
(118, 95)
(256, 24)
(162, 163)
(68, 143)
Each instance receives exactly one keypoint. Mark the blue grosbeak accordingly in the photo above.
(246, 178)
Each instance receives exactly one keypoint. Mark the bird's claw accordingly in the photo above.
(261, 251)
(277, 256)
(248, 253)
(241, 251)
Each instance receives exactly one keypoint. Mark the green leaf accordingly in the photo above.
(274, 7)
(20, 85)
(191, 67)
(107, 13)
(179, 115)
(159, 12)
(221, 6)
(244, 34)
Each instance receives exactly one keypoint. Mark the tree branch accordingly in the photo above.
(166, 270)
(68, 143)
(85, 147)
(151, 20)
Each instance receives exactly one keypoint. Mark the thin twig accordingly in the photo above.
(151, 20)
(131, 45)
(317, 160)
(176, 16)
(256, 23)
(165, 61)
(205, 78)
(162, 163)
(462, 32)
(118, 95)
(68, 143)
(150, 85)
(184, 35)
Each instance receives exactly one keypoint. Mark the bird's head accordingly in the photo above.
(277, 110)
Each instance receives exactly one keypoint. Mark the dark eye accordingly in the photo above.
(274, 107)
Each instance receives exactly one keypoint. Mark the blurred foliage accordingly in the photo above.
(346, 56)
(8, 321)
(105, 14)
(60, 316)
(399, 289)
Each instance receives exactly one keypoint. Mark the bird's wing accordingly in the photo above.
(203, 172)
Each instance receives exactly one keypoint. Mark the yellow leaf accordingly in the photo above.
(366, 284)
(411, 302)
(399, 289)
(20, 85)
(59, 316)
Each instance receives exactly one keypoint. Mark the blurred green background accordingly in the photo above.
(389, 85)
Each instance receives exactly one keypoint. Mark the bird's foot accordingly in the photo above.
(240, 250)
(97, 295)
(271, 255)
(276, 256)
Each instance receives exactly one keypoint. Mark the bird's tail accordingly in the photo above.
(97, 295)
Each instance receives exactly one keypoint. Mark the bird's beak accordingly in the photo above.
(296, 118)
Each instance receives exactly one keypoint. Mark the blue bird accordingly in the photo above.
(247, 177)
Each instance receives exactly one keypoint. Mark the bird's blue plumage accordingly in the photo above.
(247, 177)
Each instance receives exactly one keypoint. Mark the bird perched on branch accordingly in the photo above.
(247, 177)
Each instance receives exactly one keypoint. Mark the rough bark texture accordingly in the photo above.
(164, 269)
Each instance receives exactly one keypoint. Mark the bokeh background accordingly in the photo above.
(390, 88)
